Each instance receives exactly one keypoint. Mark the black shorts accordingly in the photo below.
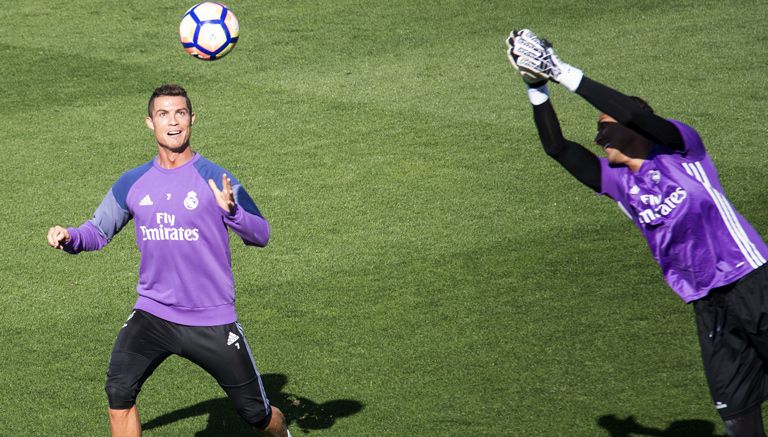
(732, 324)
(145, 341)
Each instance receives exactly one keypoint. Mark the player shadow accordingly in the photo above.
(629, 427)
(299, 411)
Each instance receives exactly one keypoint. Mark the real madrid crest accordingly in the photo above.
(655, 176)
(191, 201)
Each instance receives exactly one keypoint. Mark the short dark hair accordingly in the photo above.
(169, 89)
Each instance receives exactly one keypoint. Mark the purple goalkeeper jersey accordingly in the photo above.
(185, 273)
(700, 241)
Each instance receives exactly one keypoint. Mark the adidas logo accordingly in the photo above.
(146, 201)
(232, 339)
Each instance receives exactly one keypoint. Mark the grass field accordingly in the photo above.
(431, 271)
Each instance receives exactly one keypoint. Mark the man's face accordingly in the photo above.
(613, 138)
(171, 122)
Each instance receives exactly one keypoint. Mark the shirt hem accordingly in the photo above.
(741, 274)
(213, 316)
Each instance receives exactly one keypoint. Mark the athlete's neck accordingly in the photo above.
(634, 164)
(171, 159)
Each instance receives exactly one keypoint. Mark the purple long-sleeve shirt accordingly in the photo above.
(698, 238)
(185, 273)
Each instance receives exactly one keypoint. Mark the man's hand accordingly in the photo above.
(526, 52)
(535, 59)
(58, 237)
(224, 197)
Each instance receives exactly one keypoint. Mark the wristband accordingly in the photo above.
(538, 95)
(570, 77)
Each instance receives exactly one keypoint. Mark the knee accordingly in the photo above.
(277, 420)
(251, 404)
(119, 414)
(273, 422)
(119, 398)
(255, 415)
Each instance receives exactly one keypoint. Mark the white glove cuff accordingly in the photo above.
(570, 77)
(539, 95)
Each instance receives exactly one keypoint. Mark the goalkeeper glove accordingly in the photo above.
(535, 58)
(520, 58)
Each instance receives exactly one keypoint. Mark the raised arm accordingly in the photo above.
(574, 157)
(537, 59)
(631, 112)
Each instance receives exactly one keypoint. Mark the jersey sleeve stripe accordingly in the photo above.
(110, 217)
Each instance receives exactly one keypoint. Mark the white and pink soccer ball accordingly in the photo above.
(209, 31)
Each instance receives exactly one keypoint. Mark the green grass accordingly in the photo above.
(431, 271)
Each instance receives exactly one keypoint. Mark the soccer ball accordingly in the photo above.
(209, 31)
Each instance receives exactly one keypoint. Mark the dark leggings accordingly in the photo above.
(749, 424)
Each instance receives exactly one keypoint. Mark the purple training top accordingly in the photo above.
(185, 274)
(700, 241)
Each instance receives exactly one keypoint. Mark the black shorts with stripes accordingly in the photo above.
(732, 324)
(145, 341)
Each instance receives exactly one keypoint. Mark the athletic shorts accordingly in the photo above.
(145, 341)
(732, 324)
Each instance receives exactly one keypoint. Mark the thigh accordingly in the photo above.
(222, 351)
(734, 370)
(750, 296)
(143, 343)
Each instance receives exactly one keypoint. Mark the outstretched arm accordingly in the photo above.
(58, 237)
(574, 157)
(108, 219)
(85, 238)
(631, 112)
(536, 58)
